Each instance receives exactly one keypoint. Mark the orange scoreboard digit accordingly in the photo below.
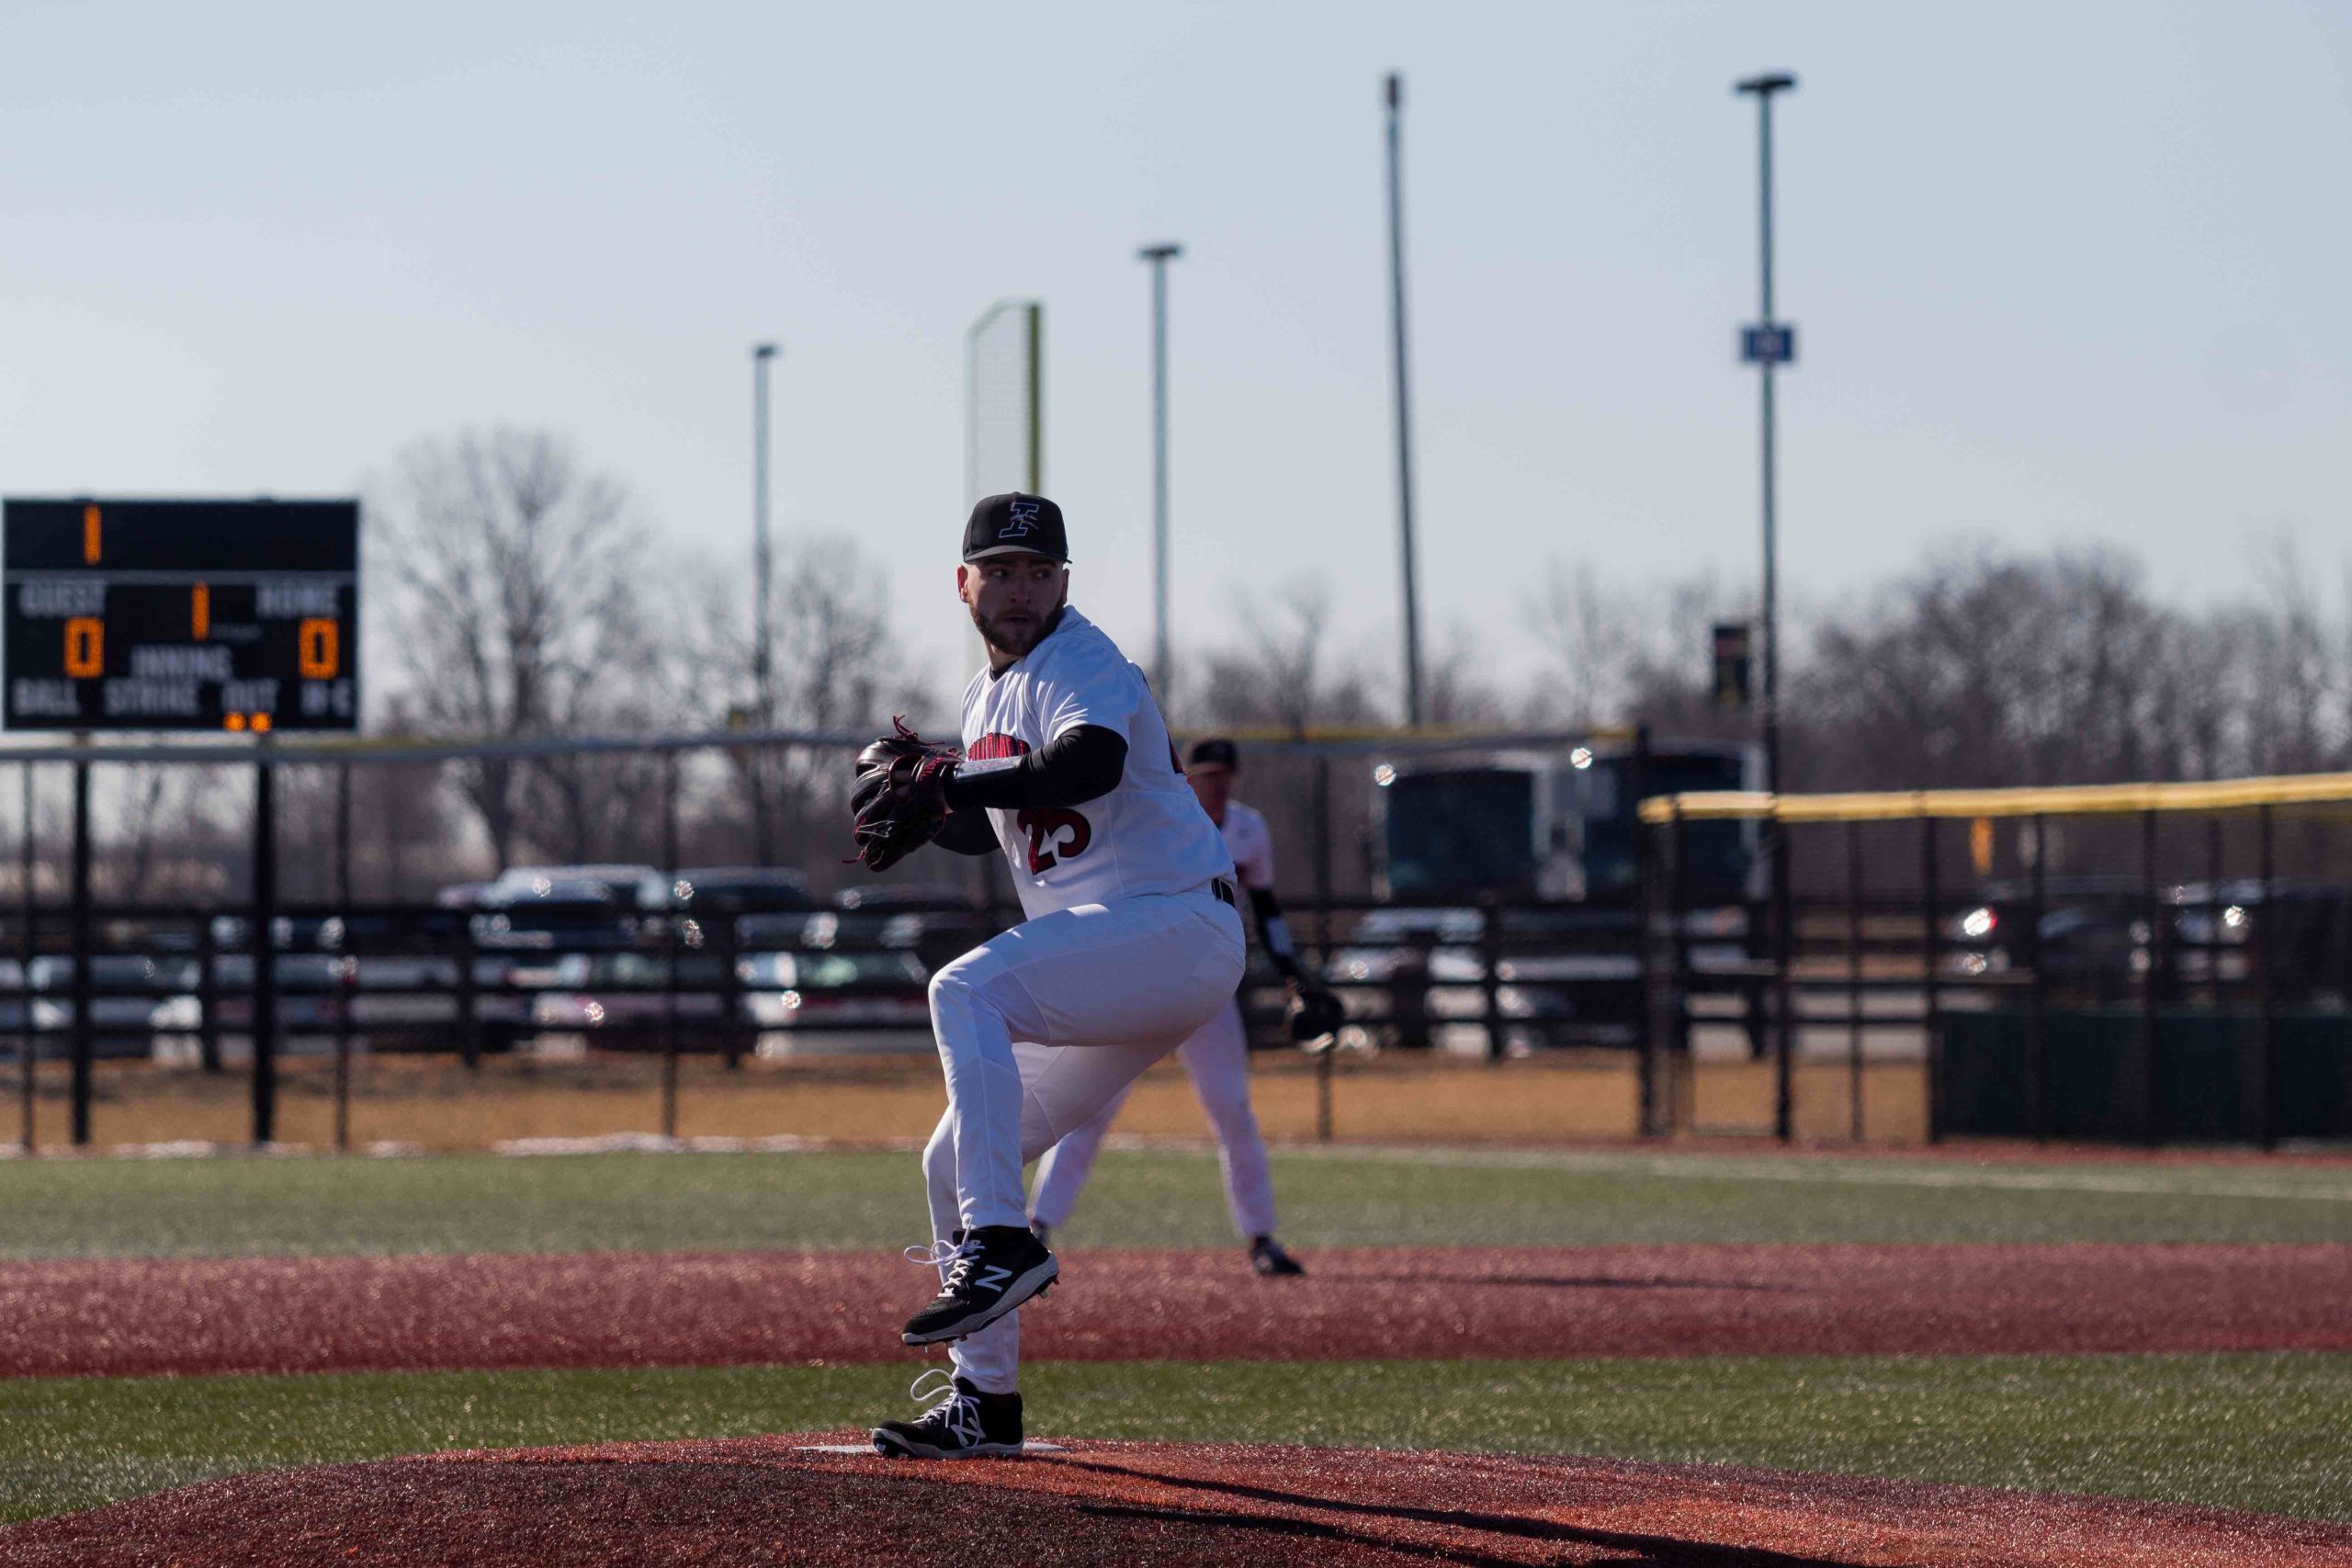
(240, 615)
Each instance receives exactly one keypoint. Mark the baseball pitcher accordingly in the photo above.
(1131, 942)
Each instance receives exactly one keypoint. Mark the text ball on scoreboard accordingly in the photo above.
(238, 615)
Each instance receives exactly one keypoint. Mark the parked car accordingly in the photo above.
(1565, 974)
(766, 907)
(622, 1000)
(2216, 930)
(530, 918)
(935, 921)
(572, 907)
(2091, 928)
(878, 989)
(126, 989)
(741, 889)
(1408, 971)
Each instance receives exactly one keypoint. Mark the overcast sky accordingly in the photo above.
(2063, 273)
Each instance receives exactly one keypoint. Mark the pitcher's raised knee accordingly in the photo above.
(954, 997)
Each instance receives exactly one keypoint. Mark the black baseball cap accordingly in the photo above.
(1213, 753)
(1015, 524)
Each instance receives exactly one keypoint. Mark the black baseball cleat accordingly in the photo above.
(963, 1424)
(1267, 1256)
(990, 1270)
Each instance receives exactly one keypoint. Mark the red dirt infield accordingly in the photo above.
(493, 1311)
(761, 1501)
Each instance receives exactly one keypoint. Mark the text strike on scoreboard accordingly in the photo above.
(239, 615)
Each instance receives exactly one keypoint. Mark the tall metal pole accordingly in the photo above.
(763, 644)
(1035, 314)
(1159, 255)
(762, 633)
(1403, 397)
(1769, 345)
(1770, 479)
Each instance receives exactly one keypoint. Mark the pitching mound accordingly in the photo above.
(774, 1500)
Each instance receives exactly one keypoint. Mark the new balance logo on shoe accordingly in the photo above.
(988, 1271)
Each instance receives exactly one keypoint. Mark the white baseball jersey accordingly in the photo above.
(1251, 843)
(1149, 835)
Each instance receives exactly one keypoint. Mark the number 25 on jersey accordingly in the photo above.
(1054, 837)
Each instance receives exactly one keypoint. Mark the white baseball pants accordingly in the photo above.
(1217, 1059)
(1041, 1027)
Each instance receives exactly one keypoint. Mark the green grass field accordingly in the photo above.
(1347, 1198)
(2253, 1431)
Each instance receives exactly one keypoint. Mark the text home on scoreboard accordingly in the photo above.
(238, 615)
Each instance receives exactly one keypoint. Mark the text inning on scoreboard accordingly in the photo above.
(239, 615)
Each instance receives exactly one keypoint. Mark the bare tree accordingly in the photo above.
(837, 666)
(170, 838)
(2293, 710)
(1588, 637)
(514, 570)
(1285, 674)
(142, 809)
(1992, 669)
(1460, 681)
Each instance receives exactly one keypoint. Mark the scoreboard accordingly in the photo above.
(241, 616)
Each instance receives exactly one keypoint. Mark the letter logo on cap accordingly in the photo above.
(1025, 518)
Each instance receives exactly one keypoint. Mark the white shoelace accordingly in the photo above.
(954, 1409)
(952, 1260)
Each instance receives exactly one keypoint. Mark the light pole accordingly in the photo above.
(1766, 344)
(1158, 256)
(763, 643)
(1396, 95)
(763, 633)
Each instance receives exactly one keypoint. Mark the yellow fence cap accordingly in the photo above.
(2069, 800)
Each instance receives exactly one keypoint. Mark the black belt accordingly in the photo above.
(1224, 891)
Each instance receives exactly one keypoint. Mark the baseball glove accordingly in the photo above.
(900, 797)
(1313, 1013)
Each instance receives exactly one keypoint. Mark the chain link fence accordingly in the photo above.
(2142, 962)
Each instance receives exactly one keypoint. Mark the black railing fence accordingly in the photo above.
(368, 873)
(2194, 989)
(2151, 966)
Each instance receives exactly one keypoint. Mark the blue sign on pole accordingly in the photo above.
(1775, 343)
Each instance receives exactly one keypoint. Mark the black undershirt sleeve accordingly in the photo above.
(1274, 931)
(967, 833)
(1072, 768)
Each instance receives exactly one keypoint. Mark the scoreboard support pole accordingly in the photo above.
(84, 1037)
(263, 941)
(347, 984)
(28, 948)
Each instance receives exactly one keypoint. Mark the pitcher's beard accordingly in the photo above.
(1014, 641)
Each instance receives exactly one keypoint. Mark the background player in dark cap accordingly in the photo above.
(1217, 1058)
